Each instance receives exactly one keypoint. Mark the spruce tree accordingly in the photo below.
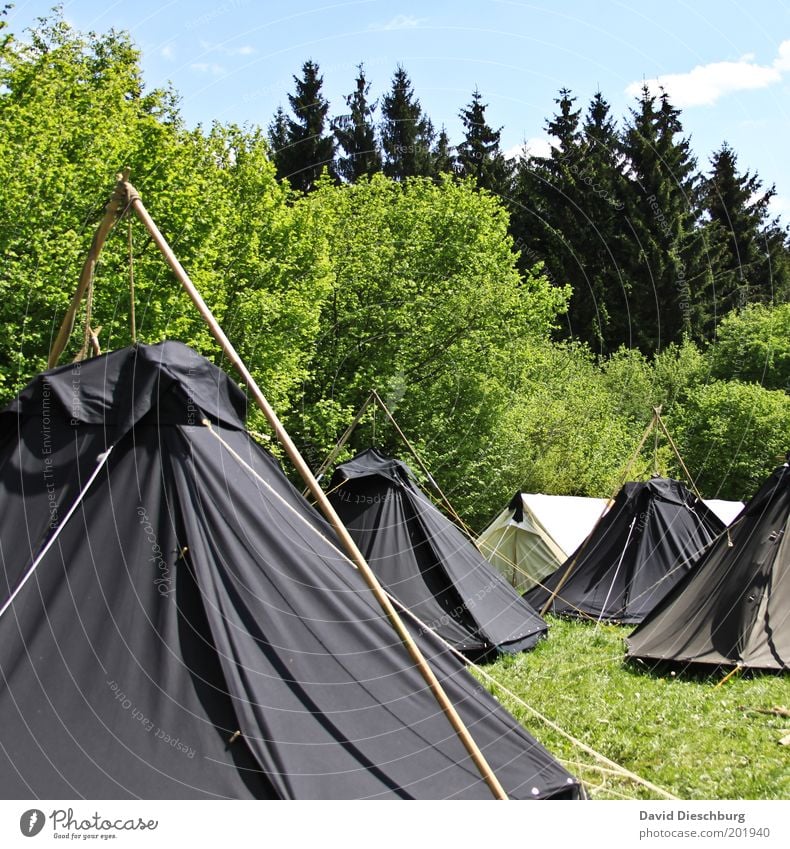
(307, 150)
(547, 218)
(406, 133)
(356, 134)
(544, 183)
(775, 285)
(599, 310)
(667, 263)
(278, 143)
(444, 160)
(564, 127)
(479, 154)
(751, 256)
(600, 129)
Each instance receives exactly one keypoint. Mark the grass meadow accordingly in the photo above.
(687, 732)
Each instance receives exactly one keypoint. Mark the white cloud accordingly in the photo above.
(705, 84)
(782, 61)
(167, 52)
(208, 68)
(400, 22)
(244, 50)
(537, 146)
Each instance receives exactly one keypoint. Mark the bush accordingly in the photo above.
(753, 345)
(732, 435)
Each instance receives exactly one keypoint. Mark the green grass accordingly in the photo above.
(681, 732)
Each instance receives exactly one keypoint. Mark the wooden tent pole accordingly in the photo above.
(583, 546)
(419, 462)
(114, 209)
(315, 490)
(677, 453)
(342, 441)
(648, 430)
(374, 396)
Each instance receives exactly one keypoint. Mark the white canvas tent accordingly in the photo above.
(727, 511)
(536, 533)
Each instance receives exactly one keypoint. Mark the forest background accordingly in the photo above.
(521, 317)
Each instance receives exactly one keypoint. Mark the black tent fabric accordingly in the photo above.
(426, 562)
(650, 538)
(177, 622)
(735, 607)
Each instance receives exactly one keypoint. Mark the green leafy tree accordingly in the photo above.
(638, 383)
(425, 295)
(562, 430)
(678, 370)
(753, 345)
(63, 97)
(406, 133)
(731, 435)
(356, 134)
(628, 376)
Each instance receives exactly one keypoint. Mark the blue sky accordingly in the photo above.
(727, 64)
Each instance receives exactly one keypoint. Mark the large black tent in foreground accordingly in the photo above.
(734, 609)
(648, 540)
(426, 562)
(177, 622)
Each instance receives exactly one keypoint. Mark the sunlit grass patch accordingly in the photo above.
(680, 732)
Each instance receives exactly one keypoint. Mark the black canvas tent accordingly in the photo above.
(648, 540)
(734, 609)
(177, 622)
(426, 562)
